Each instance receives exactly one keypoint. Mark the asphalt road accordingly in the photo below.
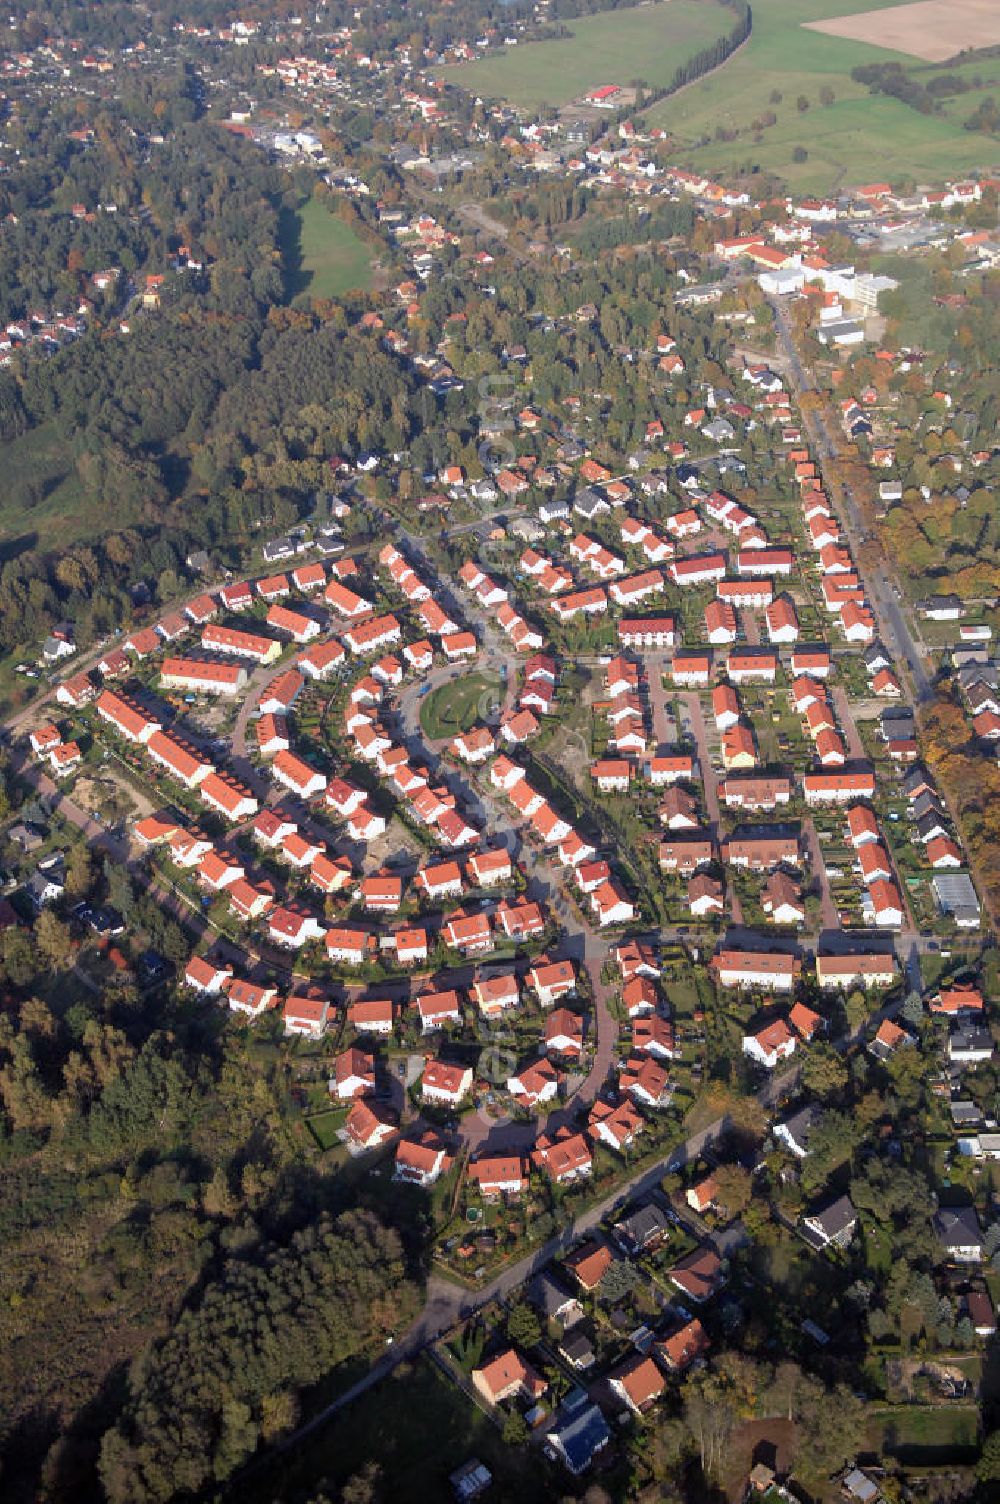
(587, 946)
(893, 628)
(447, 1303)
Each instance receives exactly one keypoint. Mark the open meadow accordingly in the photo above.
(616, 47)
(43, 503)
(324, 256)
(853, 139)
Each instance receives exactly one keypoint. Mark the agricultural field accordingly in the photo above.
(616, 47)
(853, 139)
(925, 29)
(324, 256)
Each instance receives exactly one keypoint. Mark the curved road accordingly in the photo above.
(588, 948)
(445, 1302)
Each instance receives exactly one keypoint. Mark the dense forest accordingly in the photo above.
(216, 415)
(150, 1189)
(162, 1228)
(227, 1375)
(953, 546)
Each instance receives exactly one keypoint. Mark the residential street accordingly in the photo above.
(893, 628)
(584, 945)
(447, 1302)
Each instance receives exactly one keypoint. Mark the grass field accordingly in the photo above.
(324, 1126)
(854, 140)
(458, 705)
(324, 256)
(617, 47)
(42, 504)
(926, 324)
(925, 1435)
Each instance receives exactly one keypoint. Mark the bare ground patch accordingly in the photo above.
(932, 30)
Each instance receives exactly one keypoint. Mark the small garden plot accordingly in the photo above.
(325, 1126)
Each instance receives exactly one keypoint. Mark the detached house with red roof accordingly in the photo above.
(770, 1045)
(371, 1016)
(639, 1383)
(442, 1082)
(78, 690)
(347, 944)
(487, 869)
(436, 1009)
(565, 1156)
(367, 1127)
(535, 1084)
(247, 997)
(617, 1127)
(294, 774)
(509, 1377)
(520, 920)
(291, 928)
(611, 905)
(322, 659)
(551, 980)
(207, 977)
(353, 1075)
(305, 1014)
(563, 1033)
(699, 1274)
(590, 1263)
(683, 1347)
(469, 933)
(421, 1161)
(499, 1175)
(495, 995)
